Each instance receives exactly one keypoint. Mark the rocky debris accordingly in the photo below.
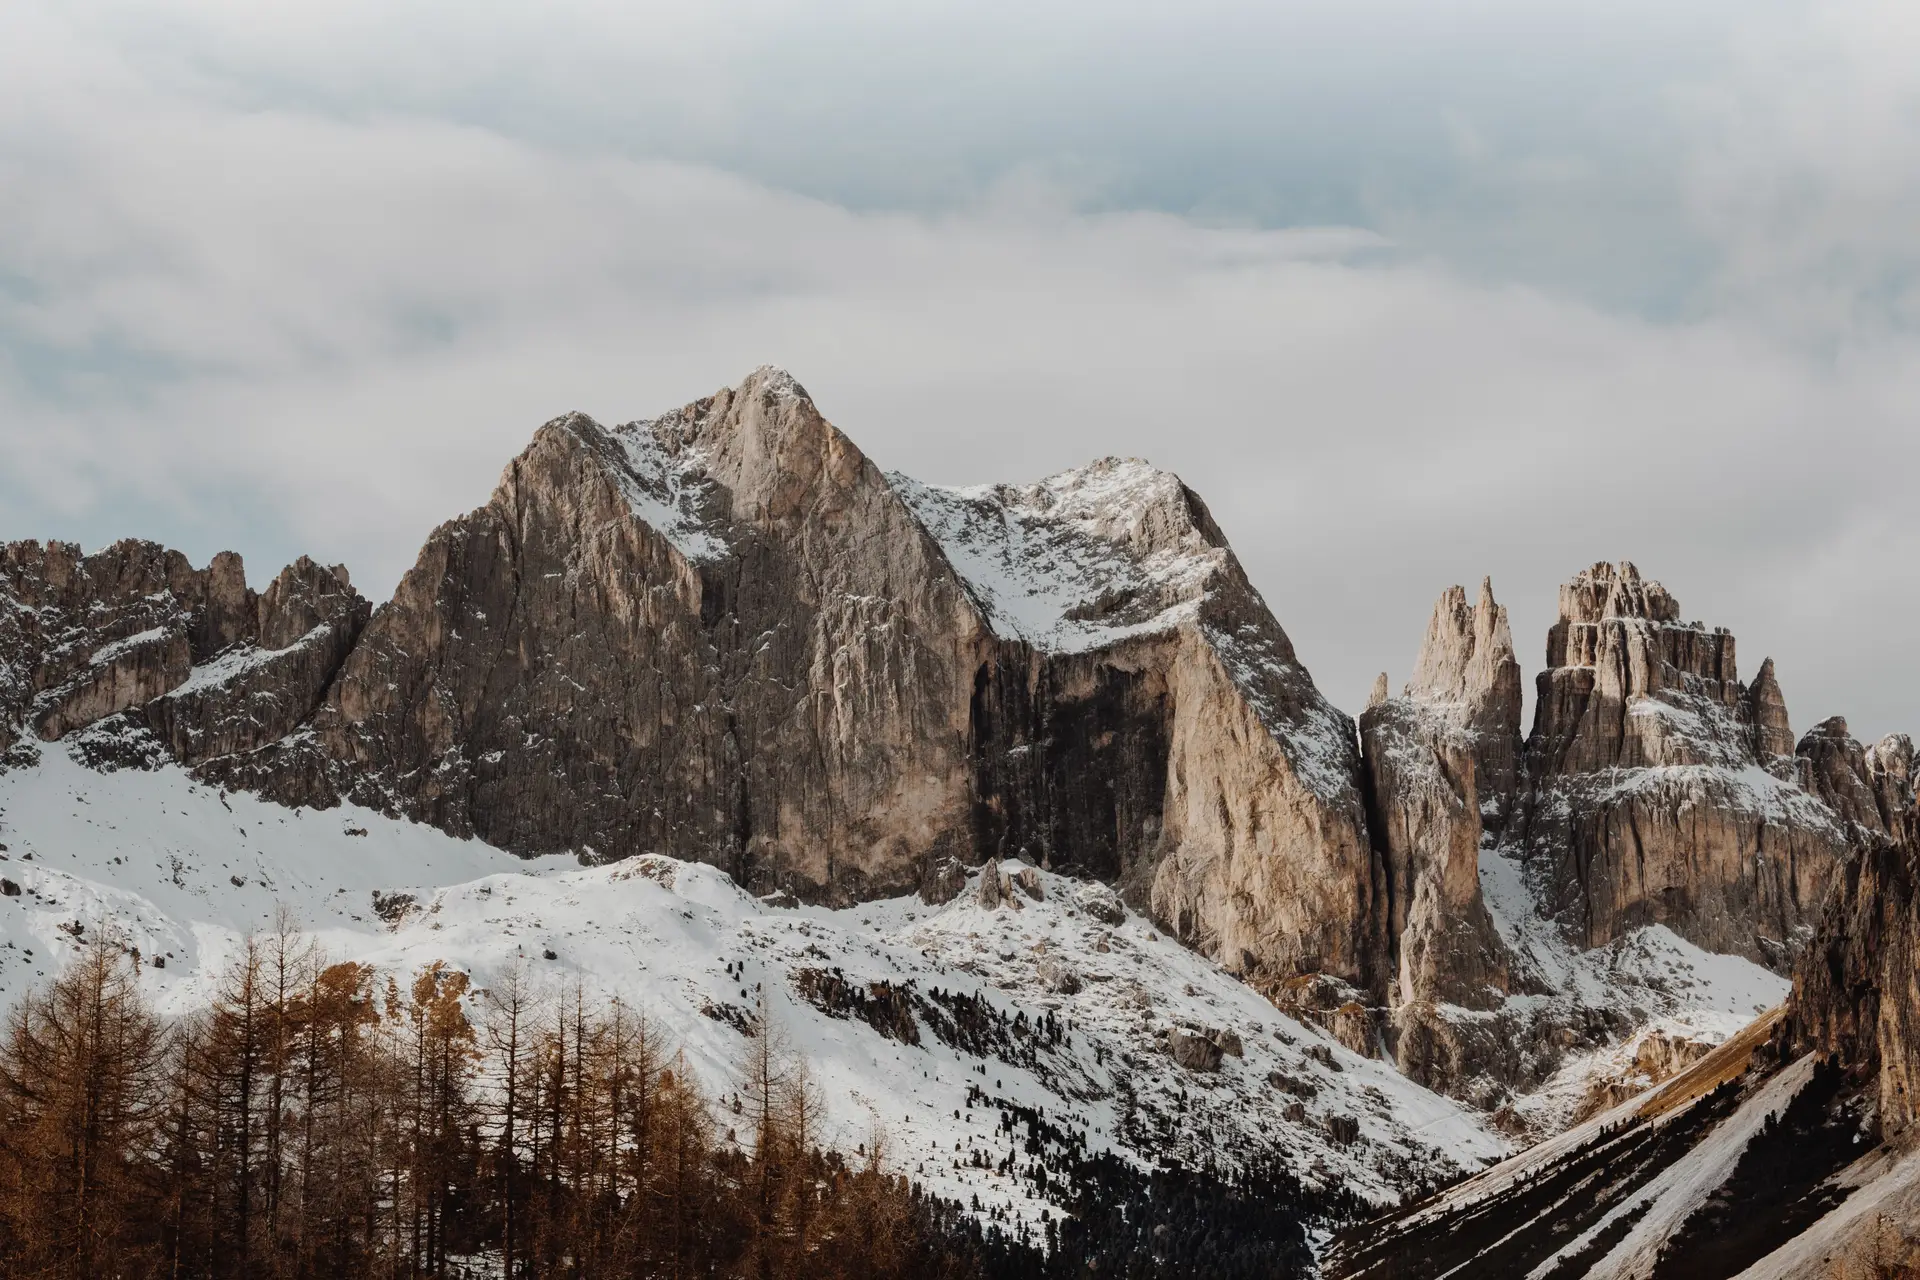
(1342, 1010)
(1059, 976)
(996, 887)
(119, 742)
(1101, 903)
(1649, 799)
(1658, 1055)
(945, 880)
(1027, 880)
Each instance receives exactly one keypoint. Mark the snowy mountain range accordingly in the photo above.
(1012, 806)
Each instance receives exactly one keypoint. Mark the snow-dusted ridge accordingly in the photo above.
(184, 871)
(1079, 560)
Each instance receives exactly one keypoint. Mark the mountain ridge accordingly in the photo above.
(724, 636)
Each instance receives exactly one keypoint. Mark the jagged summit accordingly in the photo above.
(1616, 591)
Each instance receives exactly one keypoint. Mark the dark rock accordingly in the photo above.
(1193, 1051)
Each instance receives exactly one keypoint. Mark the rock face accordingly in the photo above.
(724, 634)
(1144, 719)
(263, 687)
(1856, 991)
(1443, 770)
(719, 634)
(1655, 788)
(135, 628)
(1659, 794)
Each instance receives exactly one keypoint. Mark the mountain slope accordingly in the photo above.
(935, 1023)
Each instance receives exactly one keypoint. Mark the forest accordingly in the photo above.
(320, 1119)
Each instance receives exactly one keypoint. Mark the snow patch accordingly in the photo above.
(1078, 561)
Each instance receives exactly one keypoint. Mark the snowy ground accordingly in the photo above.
(185, 871)
(1651, 978)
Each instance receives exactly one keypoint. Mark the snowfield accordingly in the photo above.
(185, 871)
(932, 1024)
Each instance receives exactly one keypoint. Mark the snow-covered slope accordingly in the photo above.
(1717, 1172)
(185, 871)
(1079, 560)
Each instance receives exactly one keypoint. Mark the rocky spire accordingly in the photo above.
(1441, 766)
(1467, 674)
(1890, 769)
(1766, 710)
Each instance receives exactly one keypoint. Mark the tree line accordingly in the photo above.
(320, 1119)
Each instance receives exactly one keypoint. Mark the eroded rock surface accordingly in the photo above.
(1443, 770)
(1658, 794)
(134, 634)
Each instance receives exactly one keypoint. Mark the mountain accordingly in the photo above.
(710, 710)
(1785, 1153)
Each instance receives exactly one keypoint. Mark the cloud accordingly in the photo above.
(236, 317)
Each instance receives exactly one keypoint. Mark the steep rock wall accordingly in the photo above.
(1658, 793)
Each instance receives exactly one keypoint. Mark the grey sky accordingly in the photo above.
(1409, 292)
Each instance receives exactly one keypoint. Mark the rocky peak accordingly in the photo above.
(1467, 673)
(1628, 685)
(1834, 767)
(1890, 767)
(1766, 712)
(1441, 770)
(1606, 591)
(1467, 658)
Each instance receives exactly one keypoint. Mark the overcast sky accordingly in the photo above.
(1411, 292)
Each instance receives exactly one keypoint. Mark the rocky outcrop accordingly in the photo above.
(1144, 719)
(1443, 767)
(135, 630)
(1442, 772)
(1856, 992)
(1658, 794)
(1771, 730)
(1890, 767)
(1833, 766)
(258, 691)
(719, 634)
